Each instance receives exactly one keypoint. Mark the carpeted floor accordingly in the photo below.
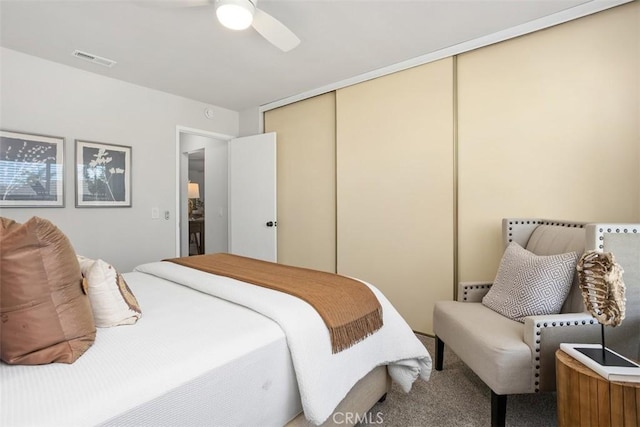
(456, 397)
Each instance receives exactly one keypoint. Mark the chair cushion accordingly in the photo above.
(528, 284)
(489, 343)
(46, 316)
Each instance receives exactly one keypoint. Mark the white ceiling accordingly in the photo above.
(185, 51)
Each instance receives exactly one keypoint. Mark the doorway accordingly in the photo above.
(249, 187)
(196, 193)
(203, 160)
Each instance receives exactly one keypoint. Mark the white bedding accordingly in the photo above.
(157, 371)
(323, 378)
(147, 373)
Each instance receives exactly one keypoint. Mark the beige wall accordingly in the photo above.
(306, 182)
(395, 187)
(548, 127)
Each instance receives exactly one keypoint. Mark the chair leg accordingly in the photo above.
(498, 409)
(439, 354)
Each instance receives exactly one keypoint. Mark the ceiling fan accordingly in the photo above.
(240, 15)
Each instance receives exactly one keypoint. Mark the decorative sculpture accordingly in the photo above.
(602, 287)
(600, 280)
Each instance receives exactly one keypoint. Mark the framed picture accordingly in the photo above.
(31, 170)
(103, 175)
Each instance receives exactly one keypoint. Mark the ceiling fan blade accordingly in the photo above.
(274, 31)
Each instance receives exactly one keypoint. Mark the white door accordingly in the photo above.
(252, 196)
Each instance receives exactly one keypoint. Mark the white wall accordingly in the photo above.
(250, 122)
(44, 97)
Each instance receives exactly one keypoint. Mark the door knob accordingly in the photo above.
(272, 224)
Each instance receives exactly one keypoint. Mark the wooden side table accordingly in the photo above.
(587, 399)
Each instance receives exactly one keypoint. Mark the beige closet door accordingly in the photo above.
(395, 187)
(306, 185)
(548, 127)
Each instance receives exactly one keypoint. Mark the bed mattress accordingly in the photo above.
(190, 360)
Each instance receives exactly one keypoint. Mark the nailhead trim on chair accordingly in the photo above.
(521, 222)
(539, 326)
(465, 287)
(602, 230)
(543, 222)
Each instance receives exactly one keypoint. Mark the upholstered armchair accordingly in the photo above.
(516, 357)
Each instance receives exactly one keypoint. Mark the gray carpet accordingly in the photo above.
(455, 396)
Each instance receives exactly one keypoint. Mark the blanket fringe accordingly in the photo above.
(347, 335)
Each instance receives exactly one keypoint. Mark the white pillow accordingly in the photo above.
(528, 284)
(85, 264)
(112, 301)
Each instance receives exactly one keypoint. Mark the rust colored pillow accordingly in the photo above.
(45, 316)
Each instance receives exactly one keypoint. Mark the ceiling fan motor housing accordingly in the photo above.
(235, 14)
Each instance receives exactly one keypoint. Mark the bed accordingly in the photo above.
(215, 351)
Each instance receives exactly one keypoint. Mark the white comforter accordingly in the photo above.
(323, 378)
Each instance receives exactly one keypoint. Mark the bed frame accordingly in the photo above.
(363, 396)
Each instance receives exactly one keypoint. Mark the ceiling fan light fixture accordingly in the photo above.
(235, 14)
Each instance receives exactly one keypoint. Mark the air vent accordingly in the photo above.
(94, 58)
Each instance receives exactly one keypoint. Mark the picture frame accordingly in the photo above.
(102, 174)
(31, 170)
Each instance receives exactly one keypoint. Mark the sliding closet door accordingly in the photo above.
(548, 127)
(395, 172)
(306, 182)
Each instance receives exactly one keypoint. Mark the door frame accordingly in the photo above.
(179, 193)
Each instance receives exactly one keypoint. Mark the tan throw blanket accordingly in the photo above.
(348, 307)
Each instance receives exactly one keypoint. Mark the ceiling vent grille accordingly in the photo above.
(94, 58)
